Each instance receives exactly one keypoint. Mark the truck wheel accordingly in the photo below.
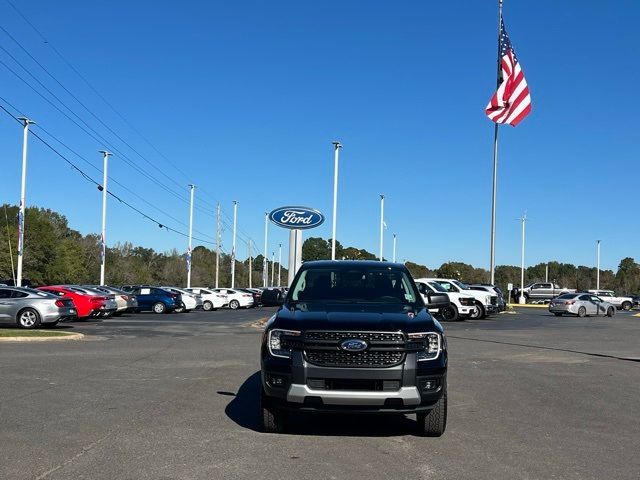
(434, 422)
(479, 311)
(273, 420)
(450, 313)
(207, 306)
(611, 312)
(582, 312)
(626, 306)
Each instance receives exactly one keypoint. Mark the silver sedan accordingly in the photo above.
(31, 308)
(581, 304)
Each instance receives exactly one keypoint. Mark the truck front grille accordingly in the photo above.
(386, 349)
(339, 358)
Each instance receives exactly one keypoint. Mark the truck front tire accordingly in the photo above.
(434, 422)
(273, 419)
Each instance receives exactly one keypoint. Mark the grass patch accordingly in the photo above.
(30, 333)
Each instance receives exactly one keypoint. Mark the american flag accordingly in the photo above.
(511, 102)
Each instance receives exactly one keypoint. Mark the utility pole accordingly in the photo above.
(598, 270)
(381, 226)
(279, 262)
(265, 266)
(336, 156)
(217, 242)
(273, 264)
(250, 267)
(192, 187)
(103, 237)
(233, 246)
(522, 300)
(23, 187)
(394, 248)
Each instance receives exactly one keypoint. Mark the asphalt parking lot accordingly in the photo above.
(532, 396)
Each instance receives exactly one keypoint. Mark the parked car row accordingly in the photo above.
(464, 301)
(47, 305)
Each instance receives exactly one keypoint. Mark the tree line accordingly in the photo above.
(56, 254)
(626, 280)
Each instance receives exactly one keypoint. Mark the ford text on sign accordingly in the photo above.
(296, 217)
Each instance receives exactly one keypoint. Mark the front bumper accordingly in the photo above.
(296, 384)
(465, 311)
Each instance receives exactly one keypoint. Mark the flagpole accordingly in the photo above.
(189, 252)
(21, 213)
(103, 239)
(495, 168)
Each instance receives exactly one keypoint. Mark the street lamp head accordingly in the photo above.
(25, 121)
(336, 144)
(105, 153)
(381, 196)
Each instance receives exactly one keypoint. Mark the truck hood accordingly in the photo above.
(369, 317)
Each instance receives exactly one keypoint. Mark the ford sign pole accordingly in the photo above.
(337, 148)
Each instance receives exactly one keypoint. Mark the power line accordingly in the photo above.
(97, 184)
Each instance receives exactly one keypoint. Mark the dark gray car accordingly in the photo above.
(30, 308)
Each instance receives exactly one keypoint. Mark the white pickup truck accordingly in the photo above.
(461, 305)
(621, 303)
(485, 303)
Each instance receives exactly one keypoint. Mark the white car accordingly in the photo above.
(211, 300)
(190, 300)
(462, 305)
(621, 303)
(237, 299)
(485, 302)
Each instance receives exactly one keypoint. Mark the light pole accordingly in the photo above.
(250, 266)
(394, 248)
(381, 227)
(103, 237)
(265, 267)
(279, 262)
(522, 300)
(598, 270)
(336, 156)
(192, 187)
(25, 122)
(217, 242)
(273, 264)
(233, 245)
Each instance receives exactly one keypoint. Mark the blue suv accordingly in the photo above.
(154, 299)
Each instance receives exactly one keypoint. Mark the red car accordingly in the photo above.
(86, 305)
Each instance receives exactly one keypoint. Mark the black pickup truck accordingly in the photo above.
(354, 337)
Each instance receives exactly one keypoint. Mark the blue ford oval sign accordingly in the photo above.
(296, 217)
(354, 345)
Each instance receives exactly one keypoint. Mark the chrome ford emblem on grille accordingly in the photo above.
(354, 345)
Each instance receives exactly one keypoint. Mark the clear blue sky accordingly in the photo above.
(245, 98)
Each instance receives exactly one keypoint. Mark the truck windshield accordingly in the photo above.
(461, 285)
(353, 284)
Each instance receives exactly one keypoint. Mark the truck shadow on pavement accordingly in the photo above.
(244, 410)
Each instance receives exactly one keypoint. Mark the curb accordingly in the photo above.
(66, 336)
(516, 305)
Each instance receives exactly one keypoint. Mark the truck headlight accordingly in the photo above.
(275, 342)
(433, 345)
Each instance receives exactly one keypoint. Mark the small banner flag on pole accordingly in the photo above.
(103, 249)
(20, 228)
(189, 258)
(511, 103)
